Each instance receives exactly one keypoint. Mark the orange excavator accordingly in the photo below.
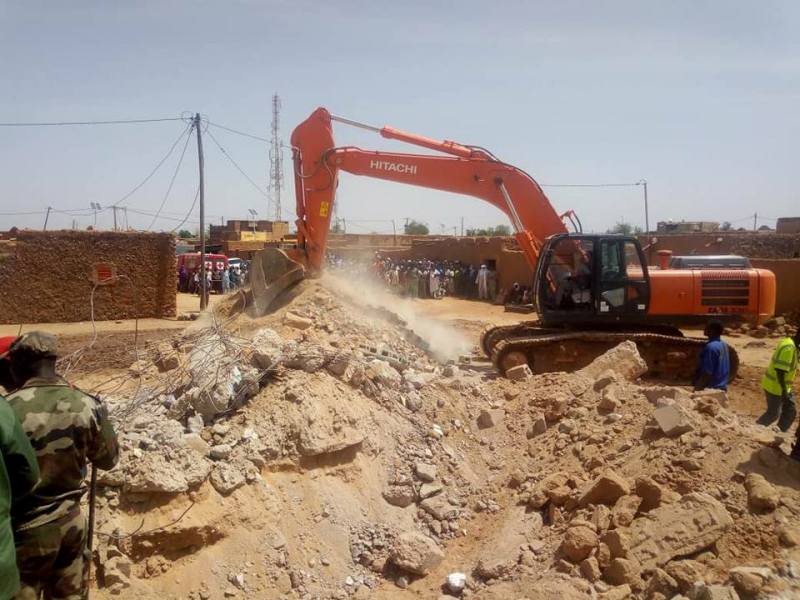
(591, 291)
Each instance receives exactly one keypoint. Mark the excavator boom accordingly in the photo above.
(467, 170)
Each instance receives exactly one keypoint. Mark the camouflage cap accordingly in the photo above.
(35, 343)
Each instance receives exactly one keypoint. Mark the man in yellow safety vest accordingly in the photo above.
(777, 384)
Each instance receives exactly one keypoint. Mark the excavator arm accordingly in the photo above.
(468, 170)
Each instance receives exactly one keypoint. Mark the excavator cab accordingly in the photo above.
(592, 278)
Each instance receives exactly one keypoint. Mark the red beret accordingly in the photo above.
(5, 344)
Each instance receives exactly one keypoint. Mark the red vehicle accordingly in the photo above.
(191, 261)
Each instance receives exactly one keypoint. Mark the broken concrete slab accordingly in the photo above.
(693, 523)
(672, 421)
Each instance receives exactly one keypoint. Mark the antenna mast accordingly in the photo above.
(275, 162)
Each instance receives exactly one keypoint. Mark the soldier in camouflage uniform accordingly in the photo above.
(66, 428)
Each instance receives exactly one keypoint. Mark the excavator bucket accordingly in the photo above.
(272, 272)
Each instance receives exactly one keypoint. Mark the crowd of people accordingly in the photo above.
(221, 281)
(423, 278)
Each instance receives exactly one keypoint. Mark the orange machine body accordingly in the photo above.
(748, 294)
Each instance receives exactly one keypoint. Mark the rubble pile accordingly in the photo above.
(332, 457)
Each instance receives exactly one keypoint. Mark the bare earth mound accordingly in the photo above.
(321, 452)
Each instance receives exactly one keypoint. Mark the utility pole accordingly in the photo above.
(46, 218)
(462, 226)
(203, 278)
(275, 161)
(114, 208)
(755, 221)
(643, 183)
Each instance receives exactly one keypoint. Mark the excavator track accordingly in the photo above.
(668, 357)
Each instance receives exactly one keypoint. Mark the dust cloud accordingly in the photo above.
(445, 342)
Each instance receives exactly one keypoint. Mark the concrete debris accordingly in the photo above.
(761, 494)
(672, 421)
(606, 489)
(623, 360)
(297, 322)
(416, 553)
(332, 427)
(456, 582)
(519, 373)
(690, 525)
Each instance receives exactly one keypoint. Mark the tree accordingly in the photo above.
(185, 234)
(497, 230)
(337, 227)
(413, 227)
(726, 226)
(625, 228)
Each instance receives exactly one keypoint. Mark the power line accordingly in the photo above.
(196, 196)
(156, 168)
(237, 132)
(233, 162)
(62, 123)
(172, 181)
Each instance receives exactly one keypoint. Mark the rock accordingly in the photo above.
(194, 424)
(590, 569)
(578, 543)
(606, 489)
(296, 321)
(601, 517)
(439, 508)
(621, 592)
(226, 478)
(417, 380)
(625, 510)
(662, 583)
(539, 496)
(383, 373)
(519, 373)
(749, 580)
(490, 418)
(266, 348)
(617, 542)
(672, 421)
(416, 553)
(196, 443)
(605, 378)
(220, 451)
(427, 490)
(623, 359)
(117, 572)
(762, 495)
(425, 471)
(688, 526)
(714, 592)
(167, 358)
(686, 573)
(608, 400)
(538, 426)
(650, 492)
(789, 536)
(621, 571)
(456, 582)
(399, 495)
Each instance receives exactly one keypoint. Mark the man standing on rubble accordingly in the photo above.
(777, 384)
(19, 472)
(66, 428)
(714, 369)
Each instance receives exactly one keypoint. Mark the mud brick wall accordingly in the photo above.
(752, 245)
(48, 277)
(787, 281)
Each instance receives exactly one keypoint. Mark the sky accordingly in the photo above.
(699, 98)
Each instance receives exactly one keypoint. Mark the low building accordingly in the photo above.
(788, 225)
(687, 227)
